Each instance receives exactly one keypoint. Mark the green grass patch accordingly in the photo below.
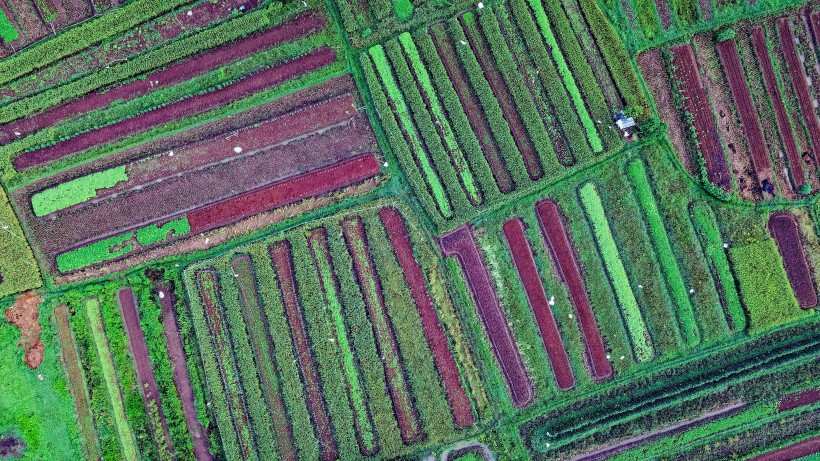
(96, 252)
(18, 269)
(403, 9)
(152, 234)
(7, 30)
(635, 325)
(76, 191)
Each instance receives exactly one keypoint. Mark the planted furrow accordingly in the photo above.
(563, 257)
(268, 78)
(669, 262)
(745, 107)
(791, 452)
(798, 77)
(472, 108)
(412, 137)
(279, 194)
(386, 346)
(443, 128)
(434, 333)
(696, 103)
(145, 371)
(112, 383)
(528, 273)
(309, 373)
(799, 399)
(214, 337)
(776, 98)
(176, 73)
(76, 382)
(783, 228)
(462, 245)
(263, 352)
(503, 95)
(176, 354)
(362, 417)
(635, 324)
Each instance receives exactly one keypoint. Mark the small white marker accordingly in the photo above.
(725, 245)
(40, 377)
(691, 290)
(480, 5)
(640, 286)
(207, 240)
(190, 13)
(608, 357)
(17, 133)
(161, 295)
(548, 444)
(570, 315)
(552, 301)
(171, 154)
(622, 357)
(463, 42)
(237, 149)
(385, 164)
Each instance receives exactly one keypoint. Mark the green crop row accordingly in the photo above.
(122, 72)
(18, 268)
(152, 234)
(112, 384)
(84, 36)
(97, 252)
(405, 139)
(76, 191)
(668, 262)
(8, 33)
(715, 248)
(617, 273)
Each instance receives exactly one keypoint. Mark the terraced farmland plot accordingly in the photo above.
(302, 146)
(341, 365)
(468, 131)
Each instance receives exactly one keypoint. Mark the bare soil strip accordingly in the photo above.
(24, 314)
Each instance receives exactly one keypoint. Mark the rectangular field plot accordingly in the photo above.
(356, 350)
(498, 101)
(290, 155)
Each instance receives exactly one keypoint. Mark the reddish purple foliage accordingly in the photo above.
(461, 245)
(792, 452)
(799, 399)
(784, 231)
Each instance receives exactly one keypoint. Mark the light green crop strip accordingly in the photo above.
(76, 191)
(403, 113)
(441, 120)
(615, 267)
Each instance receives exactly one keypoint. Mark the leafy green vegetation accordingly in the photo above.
(18, 268)
(8, 33)
(154, 234)
(76, 191)
(97, 252)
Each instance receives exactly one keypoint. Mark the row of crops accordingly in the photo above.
(756, 77)
(454, 106)
(323, 345)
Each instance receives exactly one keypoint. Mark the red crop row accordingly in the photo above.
(773, 90)
(664, 13)
(383, 330)
(433, 332)
(176, 353)
(784, 231)
(528, 273)
(279, 194)
(792, 452)
(76, 382)
(208, 282)
(145, 373)
(798, 78)
(176, 73)
(472, 108)
(799, 399)
(283, 263)
(502, 93)
(264, 79)
(563, 258)
(696, 103)
(461, 244)
(745, 108)
(263, 351)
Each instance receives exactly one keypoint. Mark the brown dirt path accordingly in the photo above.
(24, 315)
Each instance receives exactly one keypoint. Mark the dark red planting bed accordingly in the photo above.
(664, 13)
(461, 244)
(696, 102)
(531, 280)
(502, 93)
(196, 104)
(283, 263)
(219, 335)
(176, 73)
(263, 352)
(629, 444)
(433, 332)
(784, 231)
(773, 90)
(176, 353)
(563, 257)
(799, 399)
(472, 108)
(746, 109)
(145, 373)
(383, 330)
(313, 184)
(798, 77)
(792, 452)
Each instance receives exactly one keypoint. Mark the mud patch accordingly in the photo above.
(11, 447)
(24, 315)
